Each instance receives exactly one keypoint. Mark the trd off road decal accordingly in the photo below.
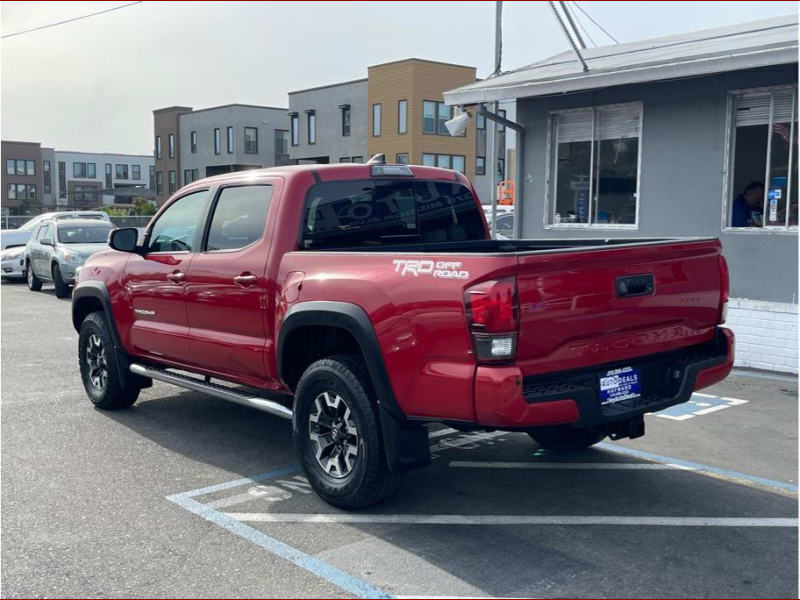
(441, 269)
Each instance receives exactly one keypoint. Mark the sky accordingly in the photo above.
(92, 85)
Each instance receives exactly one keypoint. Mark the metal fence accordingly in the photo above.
(16, 221)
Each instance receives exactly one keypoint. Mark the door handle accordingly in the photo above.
(176, 277)
(245, 279)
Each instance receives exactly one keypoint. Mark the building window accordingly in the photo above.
(151, 173)
(91, 170)
(136, 172)
(501, 113)
(761, 186)
(344, 159)
(21, 191)
(217, 143)
(501, 169)
(312, 126)
(455, 162)
(376, 120)
(121, 171)
(172, 182)
(108, 175)
(171, 145)
(401, 158)
(20, 167)
(193, 142)
(345, 120)
(480, 165)
(281, 147)
(594, 166)
(429, 160)
(62, 179)
(434, 115)
(158, 147)
(230, 140)
(251, 140)
(295, 128)
(402, 116)
(48, 184)
(190, 175)
(160, 183)
(11, 167)
(79, 170)
(357, 159)
(30, 167)
(480, 122)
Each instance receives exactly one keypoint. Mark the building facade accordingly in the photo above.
(680, 152)
(22, 181)
(88, 179)
(397, 110)
(329, 123)
(192, 144)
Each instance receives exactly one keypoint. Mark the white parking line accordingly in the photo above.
(474, 464)
(388, 519)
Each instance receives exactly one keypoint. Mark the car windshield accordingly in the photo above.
(83, 234)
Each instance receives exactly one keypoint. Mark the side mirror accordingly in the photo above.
(124, 239)
(46, 242)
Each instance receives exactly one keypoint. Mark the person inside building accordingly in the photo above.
(748, 208)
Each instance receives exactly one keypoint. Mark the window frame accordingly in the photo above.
(347, 123)
(159, 183)
(91, 170)
(294, 130)
(377, 126)
(437, 120)
(482, 169)
(125, 174)
(397, 158)
(311, 127)
(548, 217)
(230, 140)
(402, 117)
(158, 147)
(212, 208)
(172, 182)
(193, 142)
(200, 226)
(727, 165)
(217, 141)
(136, 172)
(171, 145)
(246, 151)
(74, 165)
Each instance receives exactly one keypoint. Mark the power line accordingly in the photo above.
(588, 16)
(94, 14)
(583, 28)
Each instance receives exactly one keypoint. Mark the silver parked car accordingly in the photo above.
(17, 237)
(59, 247)
(13, 263)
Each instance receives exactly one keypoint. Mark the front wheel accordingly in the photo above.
(98, 365)
(566, 437)
(34, 283)
(337, 435)
(62, 289)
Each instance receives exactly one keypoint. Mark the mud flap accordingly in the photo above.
(406, 443)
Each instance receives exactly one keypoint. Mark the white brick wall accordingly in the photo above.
(766, 334)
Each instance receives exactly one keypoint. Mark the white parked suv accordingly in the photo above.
(20, 236)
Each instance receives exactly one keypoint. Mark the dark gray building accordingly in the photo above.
(687, 135)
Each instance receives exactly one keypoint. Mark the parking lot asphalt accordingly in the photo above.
(185, 495)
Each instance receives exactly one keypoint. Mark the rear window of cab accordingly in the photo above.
(370, 212)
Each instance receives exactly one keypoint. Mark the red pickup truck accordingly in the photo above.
(365, 301)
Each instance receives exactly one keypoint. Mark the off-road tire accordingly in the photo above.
(111, 395)
(34, 283)
(62, 289)
(566, 437)
(370, 479)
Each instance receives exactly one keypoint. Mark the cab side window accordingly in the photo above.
(175, 229)
(49, 232)
(39, 234)
(239, 217)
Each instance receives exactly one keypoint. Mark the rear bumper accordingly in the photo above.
(506, 399)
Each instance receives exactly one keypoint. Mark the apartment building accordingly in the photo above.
(192, 144)
(329, 123)
(89, 179)
(36, 178)
(397, 110)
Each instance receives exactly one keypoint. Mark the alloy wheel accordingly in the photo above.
(334, 434)
(96, 361)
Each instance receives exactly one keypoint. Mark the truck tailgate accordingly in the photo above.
(589, 307)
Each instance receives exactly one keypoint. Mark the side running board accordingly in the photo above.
(213, 389)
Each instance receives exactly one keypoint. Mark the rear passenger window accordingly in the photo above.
(239, 217)
(380, 212)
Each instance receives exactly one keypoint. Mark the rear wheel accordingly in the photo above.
(34, 283)
(62, 289)
(98, 365)
(566, 437)
(337, 434)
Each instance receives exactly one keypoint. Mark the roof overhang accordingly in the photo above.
(640, 62)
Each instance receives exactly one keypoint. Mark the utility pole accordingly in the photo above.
(498, 53)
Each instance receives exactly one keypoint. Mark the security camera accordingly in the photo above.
(457, 126)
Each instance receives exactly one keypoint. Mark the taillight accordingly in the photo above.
(493, 318)
(724, 289)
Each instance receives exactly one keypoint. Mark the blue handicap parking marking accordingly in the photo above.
(698, 405)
